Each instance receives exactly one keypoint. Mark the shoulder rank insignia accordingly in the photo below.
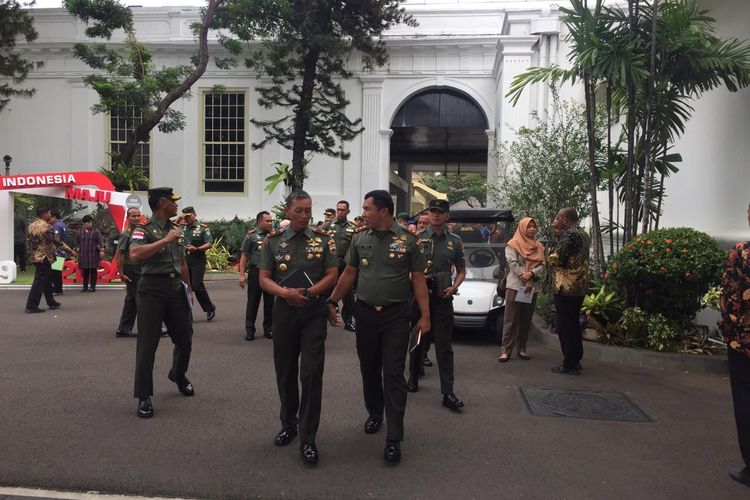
(275, 233)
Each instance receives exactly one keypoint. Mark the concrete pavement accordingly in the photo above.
(69, 424)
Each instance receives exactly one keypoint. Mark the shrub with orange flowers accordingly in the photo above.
(667, 271)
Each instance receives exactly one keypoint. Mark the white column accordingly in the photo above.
(375, 142)
(493, 169)
(516, 58)
(6, 225)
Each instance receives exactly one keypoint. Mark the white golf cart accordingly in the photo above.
(484, 232)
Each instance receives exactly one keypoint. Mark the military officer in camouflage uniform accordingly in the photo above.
(299, 266)
(443, 251)
(163, 296)
(198, 239)
(342, 231)
(385, 259)
(249, 276)
(130, 272)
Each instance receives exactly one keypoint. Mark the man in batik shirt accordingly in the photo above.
(735, 328)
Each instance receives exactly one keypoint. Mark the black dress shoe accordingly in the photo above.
(413, 384)
(309, 452)
(349, 327)
(54, 306)
(742, 476)
(566, 371)
(120, 333)
(268, 334)
(392, 452)
(285, 437)
(145, 409)
(84, 290)
(451, 401)
(184, 386)
(35, 310)
(211, 314)
(372, 424)
(426, 361)
(249, 337)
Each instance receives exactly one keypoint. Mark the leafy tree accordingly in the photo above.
(470, 188)
(16, 23)
(305, 51)
(546, 167)
(128, 82)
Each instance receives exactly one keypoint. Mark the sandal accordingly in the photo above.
(503, 358)
(524, 356)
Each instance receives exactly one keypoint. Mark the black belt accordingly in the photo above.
(164, 275)
(380, 308)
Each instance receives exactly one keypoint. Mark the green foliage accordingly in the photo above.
(668, 271)
(306, 46)
(632, 323)
(470, 188)
(16, 23)
(712, 298)
(604, 305)
(283, 176)
(231, 233)
(662, 334)
(126, 178)
(217, 257)
(545, 168)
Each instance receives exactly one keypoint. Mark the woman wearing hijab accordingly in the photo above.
(525, 258)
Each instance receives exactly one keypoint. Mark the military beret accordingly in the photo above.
(441, 205)
(188, 210)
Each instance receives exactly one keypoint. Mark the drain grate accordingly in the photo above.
(582, 404)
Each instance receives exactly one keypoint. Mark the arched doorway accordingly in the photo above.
(438, 131)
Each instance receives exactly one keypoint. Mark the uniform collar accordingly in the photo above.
(289, 233)
(162, 223)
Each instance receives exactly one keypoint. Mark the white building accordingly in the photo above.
(463, 54)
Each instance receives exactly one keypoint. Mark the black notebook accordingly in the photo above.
(298, 279)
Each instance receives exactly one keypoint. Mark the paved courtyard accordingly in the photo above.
(68, 420)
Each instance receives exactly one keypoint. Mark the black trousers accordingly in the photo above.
(300, 333)
(89, 278)
(130, 306)
(441, 321)
(739, 377)
(382, 342)
(347, 302)
(19, 254)
(161, 299)
(197, 270)
(42, 285)
(56, 278)
(254, 294)
(568, 310)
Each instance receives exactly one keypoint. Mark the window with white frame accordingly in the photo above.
(123, 123)
(224, 142)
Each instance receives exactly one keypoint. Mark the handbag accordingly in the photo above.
(502, 282)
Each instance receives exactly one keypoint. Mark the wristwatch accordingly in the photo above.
(333, 303)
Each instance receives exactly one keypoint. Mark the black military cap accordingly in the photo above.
(162, 192)
(441, 205)
(329, 211)
(188, 210)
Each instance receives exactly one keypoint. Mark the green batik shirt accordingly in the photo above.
(384, 260)
(442, 251)
(569, 263)
(311, 250)
(168, 260)
(252, 246)
(124, 242)
(197, 235)
(342, 233)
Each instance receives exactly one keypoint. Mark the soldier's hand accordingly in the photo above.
(333, 318)
(424, 324)
(295, 297)
(173, 236)
(191, 248)
(125, 278)
(448, 292)
(242, 280)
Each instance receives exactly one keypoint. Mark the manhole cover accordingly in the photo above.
(582, 404)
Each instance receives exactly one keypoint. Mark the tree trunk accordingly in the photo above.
(610, 168)
(596, 234)
(302, 118)
(141, 132)
(648, 132)
(630, 124)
